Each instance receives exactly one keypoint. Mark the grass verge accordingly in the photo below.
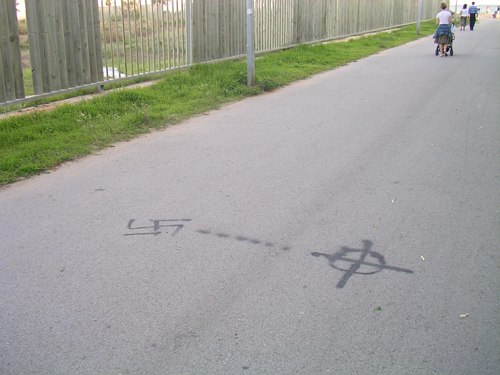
(36, 142)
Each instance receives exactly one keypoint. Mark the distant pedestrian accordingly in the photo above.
(472, 15)
(464, 14)
(443, 35)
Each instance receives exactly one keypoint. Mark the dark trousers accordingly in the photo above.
(472, 21)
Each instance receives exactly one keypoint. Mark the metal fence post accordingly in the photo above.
(419, 15)
(250, 45)
(188, 33)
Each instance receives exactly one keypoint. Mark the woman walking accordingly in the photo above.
(464, 14)
(443, 35)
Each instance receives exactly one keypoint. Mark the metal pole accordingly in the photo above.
(250, 46)
(419, 15)
(188, 25)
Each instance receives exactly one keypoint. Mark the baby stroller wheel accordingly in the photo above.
(437, 50)
(451, 51)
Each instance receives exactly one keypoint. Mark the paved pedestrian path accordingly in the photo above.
(345, 224)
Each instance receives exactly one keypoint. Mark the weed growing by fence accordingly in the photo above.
(34, 143)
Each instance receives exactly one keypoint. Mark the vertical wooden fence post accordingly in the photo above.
(11, 72)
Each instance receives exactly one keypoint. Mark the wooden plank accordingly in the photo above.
(97, 74)
(6, 86)
(169, 38)
(43, 39)
(91, 40)
(68, 47)
(84, 40)
(154, 37)
(3, 95)
(241, 28)
(15, 47)
(34, 43)
(130, 58)
(147, 36)
(53, 52)
(184, 17)
(224, 23)
(230, 20)
(214, 29)
(76, 42)
(178, 20)
(157, 37)
(195, 9)
(164, 45)
(59, 45)
(257, 25)
(136, 40)
(208, 32)
(204, 30)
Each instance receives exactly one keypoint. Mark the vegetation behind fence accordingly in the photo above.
(65, 44)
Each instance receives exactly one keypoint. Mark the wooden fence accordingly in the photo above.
(219, 25)
(11, 73)
(73, 43)
(64, 43)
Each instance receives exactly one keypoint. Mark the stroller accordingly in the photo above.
(448, 49)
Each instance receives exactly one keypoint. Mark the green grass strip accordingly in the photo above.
(33, 143)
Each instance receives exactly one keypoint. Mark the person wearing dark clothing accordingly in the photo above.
(472, 15)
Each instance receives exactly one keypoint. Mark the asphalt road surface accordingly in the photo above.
(345, 224)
